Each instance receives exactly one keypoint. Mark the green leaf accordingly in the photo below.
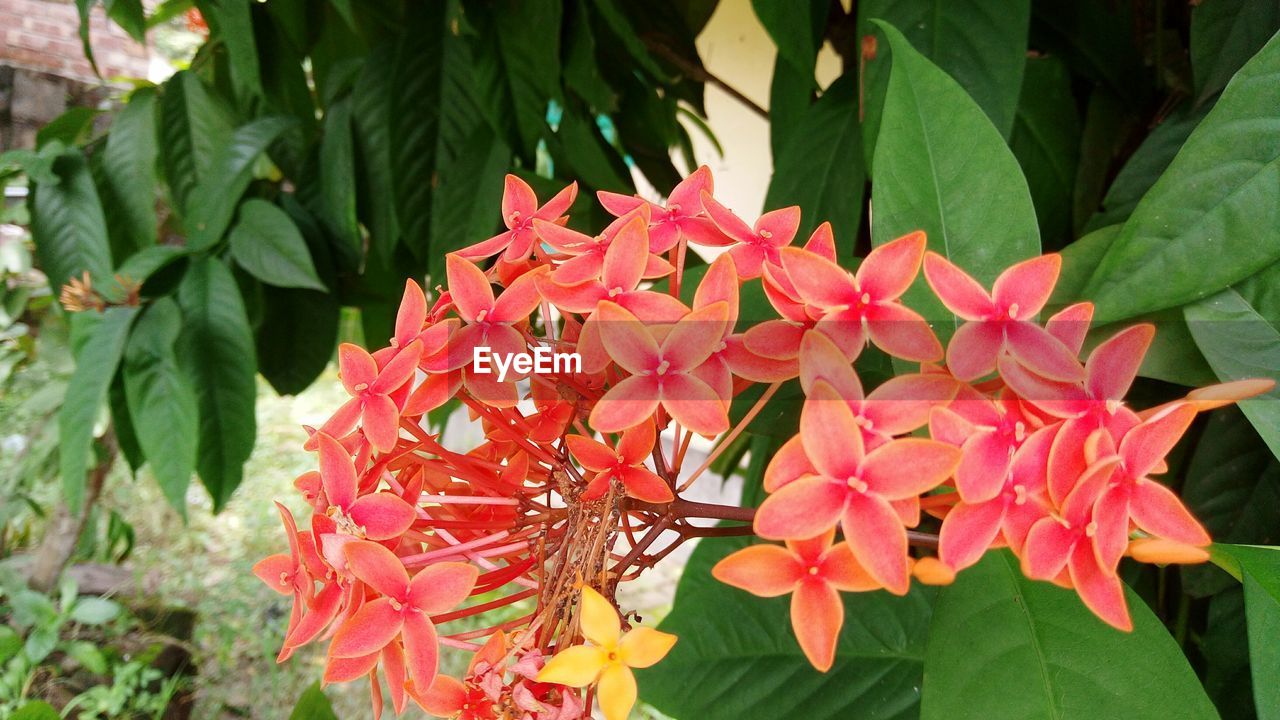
(217, 354)
(313, 705)
(84, 8)
(338, 174)
(70, 128)
(936, 154)
(219, 192)
(1107, 122)
(37, 710)
(581, 146)
(296, 338)
(1095, 42)
(89, 656)
(96, 365)
(129, 166)
(1212, 219)
(796, 28)
(1224, 35)
(1146, 165)
(820, 166)
(194, 127)
(234, 21)
(528, 40)
(1239, 343)
(68, 226)
(737, 657)
(372, 97)
(469, 191)
(1259, 569)
(1233, 482)
(162, 404)
(418, 99)
(1005, 647)
(147, 261)
(10, 643)
(981, 45)
(266, 242)
(92, 610)
(1046, 141)
(1225, 646)
(130, 16)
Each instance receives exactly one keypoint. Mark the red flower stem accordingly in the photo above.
(733, 435)
(484, 632)
(466, 500)
(483, 607)
(426, 557)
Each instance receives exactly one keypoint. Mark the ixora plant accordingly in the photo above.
(1002, 439)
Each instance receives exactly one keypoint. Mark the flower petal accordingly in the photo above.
(694, 404)
(642, 484)
(629, 342)
(801, 509)
(902, 333)
(816, 617)
(987, 457)
(889, 270)
(591, 454)
(695, 337)
(379, 568)
(1027, 285)
(907, 467)
(575, 666)
(819, 281)
(380, 422)
(1103, 593)
(628, 253)
(762, 570)
(517, 198)
(626, 404)
(831, 436)
(421, 648)
(967, 531)
(374, 625)
(468, 287)
(1157, 510)
(441, 587)
(1145, 446)
(973, 349)
(598, 618)
(616, 691)
(356, 368)
(1049, 546)
(960, 293)
(382, 515)
(337, 472)
(1042, 353)
(879, 542)
(642, 647)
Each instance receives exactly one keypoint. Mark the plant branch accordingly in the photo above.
(701, 74)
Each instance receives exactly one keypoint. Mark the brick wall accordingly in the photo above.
(43, 35)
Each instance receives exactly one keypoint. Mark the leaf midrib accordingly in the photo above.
(1020, 600)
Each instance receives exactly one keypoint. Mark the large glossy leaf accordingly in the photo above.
(216, 352)
(96, 365)
(1224, 35)
(796, 29)
(1212, 219)
(1046, 141)
(1259, 570)
(1146, 165)
(338, 174)
(1239, 343)
(736, 656)
(528, 44)
(162, 403)
(464, 206)
(1002, 647)
(129, 166)
(313, 705)
(942, 167)
(266, 242)
(820, 166)
(1107, 122)
(372, 97)
(194, 127)
(68, 226)
(1095, 38)
(1225, 646)
(981, 44)
(234, 22)
(219, 191)
(1233, 482)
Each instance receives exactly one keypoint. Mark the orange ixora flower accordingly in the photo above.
(418, 546)
(814, 572)
(608, 656)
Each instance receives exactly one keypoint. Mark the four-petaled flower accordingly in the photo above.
(1004, 319)
(813, 571)
(608, 658)
(855, 488)
(624, 463)
(404, 608)
(754, 246)
(519, 210)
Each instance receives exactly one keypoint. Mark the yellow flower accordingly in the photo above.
(609, 657)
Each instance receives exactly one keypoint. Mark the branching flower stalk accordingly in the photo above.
(513, 550)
